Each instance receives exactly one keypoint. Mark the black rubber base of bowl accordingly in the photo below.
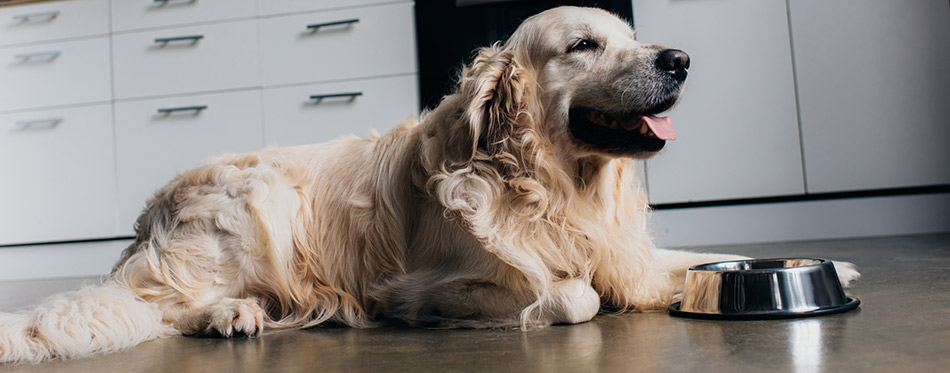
(852, 304)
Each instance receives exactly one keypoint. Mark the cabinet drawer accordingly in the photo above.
(53, 20)
(270, 7)
(379, 41)
(57, 168)
(55, 74)
(152, 146)
(186, 59)
(292, 118)
(141, 14)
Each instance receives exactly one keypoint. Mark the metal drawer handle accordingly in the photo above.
(32, 122)
(196, 109)
(316, 26)
(165, 2)
(351, 95)
(49, 55)
(49, 16)
(192, 38)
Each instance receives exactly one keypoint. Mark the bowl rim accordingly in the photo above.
(821, 262)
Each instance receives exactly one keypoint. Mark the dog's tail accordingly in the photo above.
(91, 320)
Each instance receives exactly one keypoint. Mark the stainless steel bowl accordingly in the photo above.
(763, 289)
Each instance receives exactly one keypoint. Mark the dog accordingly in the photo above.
(514, 203)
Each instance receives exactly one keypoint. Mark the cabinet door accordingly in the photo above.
(53, 20)
(152, 146)
(354, 43)
(356, 107)
(140, 14)
(874, 90)
(186, 59)
(272, 7)
(61, 73)
(737, 124)
(57, 178)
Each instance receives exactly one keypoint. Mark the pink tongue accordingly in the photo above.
(662, 127)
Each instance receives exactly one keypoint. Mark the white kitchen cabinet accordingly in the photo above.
(157, 138)
(354, 43)
(141, 14)
(53, 20)
(54, 74)
(354, 107)
(874, 91)
(186, 59)
(736, 122)
(92, 61)
(57, 179)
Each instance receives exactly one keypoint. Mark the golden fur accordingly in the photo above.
(483, 213)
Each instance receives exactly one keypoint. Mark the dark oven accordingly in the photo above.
(448, 32)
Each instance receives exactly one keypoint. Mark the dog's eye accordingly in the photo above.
(582, 45)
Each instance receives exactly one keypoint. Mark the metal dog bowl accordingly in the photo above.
(762, 289)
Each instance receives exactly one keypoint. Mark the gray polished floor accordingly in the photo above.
(902, 325)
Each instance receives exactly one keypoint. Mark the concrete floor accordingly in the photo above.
(902, 325)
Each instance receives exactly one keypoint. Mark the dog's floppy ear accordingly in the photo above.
(501, 94)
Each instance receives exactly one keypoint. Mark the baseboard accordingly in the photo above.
(803, 220)
(60, 260)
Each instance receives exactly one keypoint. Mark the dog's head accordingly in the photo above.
(582, 80)
(525, 151)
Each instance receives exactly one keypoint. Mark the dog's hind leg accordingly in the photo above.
(193, 307)
(217, 246)
(197, 293)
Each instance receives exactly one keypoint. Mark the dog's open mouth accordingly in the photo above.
(621, 133)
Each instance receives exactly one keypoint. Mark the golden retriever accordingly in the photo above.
(513, 203)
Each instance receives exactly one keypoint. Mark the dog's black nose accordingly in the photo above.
(673, 61)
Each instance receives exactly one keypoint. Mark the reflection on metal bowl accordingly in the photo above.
(763, 289)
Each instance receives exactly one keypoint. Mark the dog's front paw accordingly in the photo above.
(847, 272)
(576, 301)
(237, 316)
